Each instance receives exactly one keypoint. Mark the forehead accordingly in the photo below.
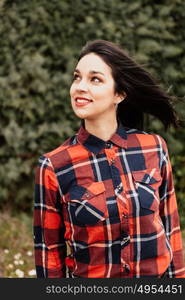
(93, 62)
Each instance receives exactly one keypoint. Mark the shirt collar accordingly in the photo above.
(95, 144)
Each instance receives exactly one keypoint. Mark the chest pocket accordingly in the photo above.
(88, 203)
(147, 183)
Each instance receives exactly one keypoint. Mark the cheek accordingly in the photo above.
(104, 93)
(99, 92)
(71, 91)
(105, 89)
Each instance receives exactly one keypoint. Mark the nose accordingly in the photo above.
(82, 85)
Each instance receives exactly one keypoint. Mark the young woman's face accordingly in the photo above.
(92, 91)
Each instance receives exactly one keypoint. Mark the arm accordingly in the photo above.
(50, 247)
(170, 217)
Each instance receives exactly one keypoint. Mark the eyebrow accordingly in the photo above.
(91, 72)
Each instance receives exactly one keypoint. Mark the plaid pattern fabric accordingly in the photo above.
(111, 204)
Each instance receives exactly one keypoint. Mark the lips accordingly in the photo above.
(81, 101)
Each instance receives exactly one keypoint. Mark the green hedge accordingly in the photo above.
(40, 41)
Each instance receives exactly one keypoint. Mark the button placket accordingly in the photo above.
(111, 156)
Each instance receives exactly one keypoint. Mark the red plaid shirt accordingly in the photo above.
(111, 204)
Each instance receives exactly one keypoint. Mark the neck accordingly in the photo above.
(101, 129)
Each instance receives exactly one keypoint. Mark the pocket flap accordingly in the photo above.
(147, 182)
(90, 202)
(147, 176)
(87, 191)
(94, 189)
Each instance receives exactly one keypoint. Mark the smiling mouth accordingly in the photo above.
(82, 100)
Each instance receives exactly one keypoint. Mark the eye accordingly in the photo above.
(75, 77)
(96, 79)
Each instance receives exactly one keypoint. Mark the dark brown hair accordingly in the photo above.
(143, 94)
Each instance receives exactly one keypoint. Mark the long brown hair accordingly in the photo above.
(143, 94)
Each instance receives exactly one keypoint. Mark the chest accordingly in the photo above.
(110, 184)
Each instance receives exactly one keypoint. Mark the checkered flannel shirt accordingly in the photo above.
(107, 209)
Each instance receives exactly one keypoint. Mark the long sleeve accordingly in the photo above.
(170, 217)
(49, 229)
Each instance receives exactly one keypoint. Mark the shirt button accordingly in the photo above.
(112, 161)
(127, 268)
(125, 239)
(125, 216)
(108, 145)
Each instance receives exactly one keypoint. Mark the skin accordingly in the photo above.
(100, 114)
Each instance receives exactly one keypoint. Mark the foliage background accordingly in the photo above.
(40, 41)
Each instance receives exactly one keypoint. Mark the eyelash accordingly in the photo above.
(94, 77)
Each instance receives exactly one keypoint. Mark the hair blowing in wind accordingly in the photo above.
(143, 93)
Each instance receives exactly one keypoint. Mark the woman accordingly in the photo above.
(107, 192)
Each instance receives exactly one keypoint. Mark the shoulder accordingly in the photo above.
(59, 156)
(65, 145)
(140, 138)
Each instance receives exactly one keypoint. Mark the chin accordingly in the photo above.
(84, 115)
(81, 115)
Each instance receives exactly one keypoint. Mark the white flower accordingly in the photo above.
(16, 262)
(29, 253)
(32, 272)
(10, 266)
(19, 273)
(17, 256)
(21, 262)
(6, 251)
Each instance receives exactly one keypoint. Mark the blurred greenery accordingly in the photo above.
(16, 246)
(40, 41)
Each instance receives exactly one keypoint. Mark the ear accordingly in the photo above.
(120, 97)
